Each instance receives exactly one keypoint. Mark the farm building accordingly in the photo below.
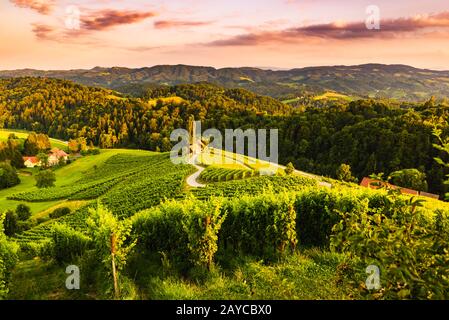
(376, 184)
(54, 156)
(31, 162)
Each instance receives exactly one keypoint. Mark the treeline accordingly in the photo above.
(65, 110)
(371, 136)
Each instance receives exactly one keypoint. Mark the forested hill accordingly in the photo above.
(64, 110)
(371, 136)
(369, 80)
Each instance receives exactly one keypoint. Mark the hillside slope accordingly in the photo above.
(369, 80)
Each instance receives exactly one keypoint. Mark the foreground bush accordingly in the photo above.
(195, 230)
(411, 250)
(68, 243)
(8, 258)
(186, 230)
(111, 244)
(316, 213)
(263, 225)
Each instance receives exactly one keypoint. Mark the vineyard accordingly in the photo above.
(254, 185)
(238, 216)
(216, 174)
(33, 239)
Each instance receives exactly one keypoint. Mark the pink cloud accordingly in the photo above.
(166, 24)
(42, 31)
(41, 6)
(106, 19)
(389, 28)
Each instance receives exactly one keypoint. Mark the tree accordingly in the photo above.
(45, 179)
(344, 173)
(12, 136)
(409, 178)
(36, 143)
(11, 223)
(11, 151)
(73, 146)
(443, 146)
(8, 176)
(23, 212)
(77, 145)
(290, 168)
(43, 158)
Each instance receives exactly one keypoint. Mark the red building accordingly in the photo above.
(376, 184)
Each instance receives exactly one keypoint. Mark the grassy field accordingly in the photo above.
(333, 96)
(175, 100)
(311, 274)
(24, 134)
(64, 176)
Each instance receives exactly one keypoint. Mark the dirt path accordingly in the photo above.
(192, 179)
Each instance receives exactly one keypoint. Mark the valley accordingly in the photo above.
(219, 228)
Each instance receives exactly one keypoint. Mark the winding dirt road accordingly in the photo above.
(192, 179)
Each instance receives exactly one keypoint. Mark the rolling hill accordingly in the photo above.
(368, 80)
(145, 190)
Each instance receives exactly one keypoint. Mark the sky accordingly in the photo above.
(277, 34)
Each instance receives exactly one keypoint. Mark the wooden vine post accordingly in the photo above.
(114, 271)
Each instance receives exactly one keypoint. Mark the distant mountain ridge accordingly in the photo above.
(367, 80)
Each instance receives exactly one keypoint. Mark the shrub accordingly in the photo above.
(186, 230)
(202, 227)
(263, 225)
(8, 176)
(45, 179)
(68, 243)
(410, 249)
(289, 169)
(316, 214)
(410, 178)
(10, 223)
(24, 225)
(161, 229)
(8, 258)
(111, 239)
(344, 173)
(43, 249)
(23, 212)
(59, 212)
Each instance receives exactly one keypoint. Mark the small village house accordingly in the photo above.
(31, 162)
(54, 157)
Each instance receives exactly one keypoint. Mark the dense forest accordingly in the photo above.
(371, 136)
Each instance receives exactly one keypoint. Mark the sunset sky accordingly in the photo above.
(43, 34)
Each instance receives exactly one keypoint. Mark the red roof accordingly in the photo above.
(376, 184)
(33, 160)
(58, 153)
